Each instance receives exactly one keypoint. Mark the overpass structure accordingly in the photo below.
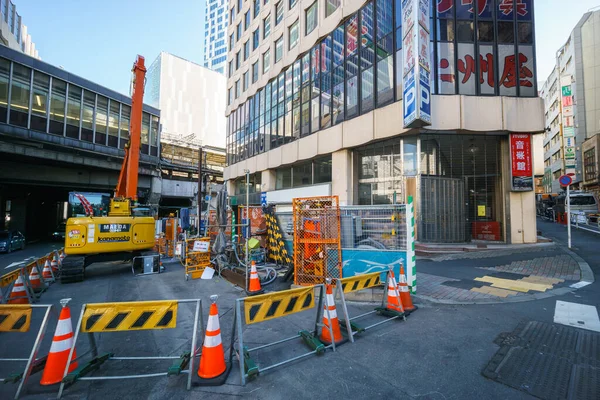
(61, 133)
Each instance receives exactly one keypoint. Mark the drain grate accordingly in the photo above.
(548, 361)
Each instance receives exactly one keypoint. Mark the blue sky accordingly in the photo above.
(99, 40)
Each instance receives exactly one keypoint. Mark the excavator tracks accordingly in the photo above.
(72, 269)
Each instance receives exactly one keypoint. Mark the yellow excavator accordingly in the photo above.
(121, 235)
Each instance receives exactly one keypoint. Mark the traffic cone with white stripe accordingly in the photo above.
(62, 342)
(393, 297)
(47, 272)
(54, 264)
(61, 257)
(212, 359)
(18, 295)
(254, 285)
(405, 293)
(34, 278)
(332, 321)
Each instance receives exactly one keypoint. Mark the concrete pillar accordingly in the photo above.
(268, 180)
(342, 176)
(230, 187)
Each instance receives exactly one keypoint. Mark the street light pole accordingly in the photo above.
(247, 235)
(569, 215)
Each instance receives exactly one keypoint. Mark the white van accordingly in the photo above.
(581, 202)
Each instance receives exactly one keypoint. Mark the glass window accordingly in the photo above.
(284, 178)
(266, 26)
(445, 30)
(486, 31)
(312, 17)
(238, 31)
(145, 132)
(266, 61)
(331, 6)
(326, 82)
(246, 78)
(4, 78)
(256, 8)
(19, 98)
(278, 12)
(73, 111)
(302, 174)
(125, 118)
(293, 34)
(385, 53)
(255, 72)
(367, 58)
(464, 31)
(292, 3)
(506, 33)
(237, 60)
(351, 67)
(113, 123)
(246, 50)
(525, 33)
(279, 49)
(87, 121)
(315, 55)
(322, 170)
(101, 120)
(231, 41)
(154, 136)
(247, 20)
(237, 88)
(41, 86)
(255, 39)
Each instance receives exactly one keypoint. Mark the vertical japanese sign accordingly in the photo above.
(568, 125)
(521, 163)
(417, 64)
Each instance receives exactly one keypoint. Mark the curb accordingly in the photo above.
(587, 275)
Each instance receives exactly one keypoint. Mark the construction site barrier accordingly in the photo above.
(271, 306)
(16, 318)
(130, 316)
(361, 282)
(197, 257)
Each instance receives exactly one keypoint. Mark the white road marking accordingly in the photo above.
(579, 285)
(577, 315)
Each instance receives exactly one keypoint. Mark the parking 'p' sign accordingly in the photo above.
(565, 180)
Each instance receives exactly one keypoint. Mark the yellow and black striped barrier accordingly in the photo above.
(277, 304)
(129, 316)
(359, 282)
(97, 318)
(272, 306)
(16, 318)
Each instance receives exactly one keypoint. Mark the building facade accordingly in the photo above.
(191, 99)
(590, 151)
(571, 109)
(13, 33)
(315, 107)
(215, 35)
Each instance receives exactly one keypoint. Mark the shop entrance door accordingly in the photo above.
(442, 210)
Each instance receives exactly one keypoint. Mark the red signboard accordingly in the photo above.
(486, 230)
(521, 162)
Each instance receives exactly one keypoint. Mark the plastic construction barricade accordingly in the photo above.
(9, 280)
(197, 257)
(16, 318)
(130, 316)
(270, 306)
(360, 282)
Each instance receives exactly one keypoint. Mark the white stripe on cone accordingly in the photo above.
(64, 326)
(213, 323)
(18, 286)
(330, 301)
(212, 341)
(332, 314)
(59, 346)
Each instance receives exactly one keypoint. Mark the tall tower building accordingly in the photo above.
(215, 35)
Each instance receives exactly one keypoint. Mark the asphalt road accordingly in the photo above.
(36, 250)
(438, 353)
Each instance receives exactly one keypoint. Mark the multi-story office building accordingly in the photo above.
(571, 109)
(191, 99)
(316, 92)
(215, 35)
(13, 33)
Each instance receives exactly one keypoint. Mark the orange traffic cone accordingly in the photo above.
(329, 304)
(18, 295)
(47, 272)
(60, 349)
(34, 278)
(54, 264)
(212, 359)
(61, 257)
(393, 297)
(405, 293)
(254, 285)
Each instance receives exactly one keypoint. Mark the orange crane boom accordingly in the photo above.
(128, 178)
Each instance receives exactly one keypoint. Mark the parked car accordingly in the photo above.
(60, 232)
(581, 202)
(11, 240)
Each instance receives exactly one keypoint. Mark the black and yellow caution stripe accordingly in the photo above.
(360, 282)
(129, 316)
(15, 317)
(278, 304)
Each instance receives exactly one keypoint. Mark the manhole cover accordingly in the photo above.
(548, 361)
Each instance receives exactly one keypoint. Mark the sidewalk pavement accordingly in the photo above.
(501, 275)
